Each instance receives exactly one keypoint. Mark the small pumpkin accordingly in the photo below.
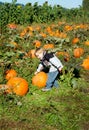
(43, 35)
(68, 28)
(31, 53)
(39, 79)
(48, 46)
(30, 28)
(24, 32)
(37, 43)
(64, 54)
(10, 74)
(78, 52)
(17, 85)
(85, 64)
(75, 40)
(87, 43)
(12, 26)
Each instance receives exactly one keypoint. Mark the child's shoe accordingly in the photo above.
(45, 89)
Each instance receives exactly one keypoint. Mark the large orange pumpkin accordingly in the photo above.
(78, 52)
(39, 79)
(17, 85)
(10, 74)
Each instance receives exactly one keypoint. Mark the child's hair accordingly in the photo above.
(39, 50)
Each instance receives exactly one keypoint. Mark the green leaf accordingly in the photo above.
(9, 54)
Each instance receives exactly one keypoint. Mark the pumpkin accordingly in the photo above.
(64, 54)
(12, 26)
(23, 33)
(87, 43)
(85, 64)
(75, 40)
(38, 28)
(59, 53)
(62, 35)
(68, 28)
(43, 35)
(10, 74)
(17, 85)
(78, 52)
(39, 79)
(49, 29)
(48, 46)
(37, 43)
(30, 28)
(31, 53)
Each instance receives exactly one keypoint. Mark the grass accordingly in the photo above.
(63, 108)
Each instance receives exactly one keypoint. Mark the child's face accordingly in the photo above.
(39, 55)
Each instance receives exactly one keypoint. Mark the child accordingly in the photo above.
(54, 64)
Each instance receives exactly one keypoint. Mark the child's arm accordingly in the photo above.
(40, 67)
(56, 63)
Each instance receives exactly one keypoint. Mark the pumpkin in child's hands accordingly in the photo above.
(39, 79)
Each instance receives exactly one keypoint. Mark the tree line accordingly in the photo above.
(27, 14)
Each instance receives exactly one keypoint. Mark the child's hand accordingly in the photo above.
(60, 70)
(35, 73)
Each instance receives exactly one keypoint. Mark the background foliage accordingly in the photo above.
(27, 14)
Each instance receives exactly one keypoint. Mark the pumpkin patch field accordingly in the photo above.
(23, 104)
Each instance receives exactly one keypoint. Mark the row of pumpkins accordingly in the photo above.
(78, 52)
(19, 85)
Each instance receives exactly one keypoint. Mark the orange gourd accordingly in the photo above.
(39, 79)
(64, 54)
(31, 53)
(75, 40)
(48, 46)
(78, 52)
(30, 28)
(17, 85)
(37, 43)
(10, 74)
(85, 64)
(38, 28)
(87, 43)
(12, 26)
(68, 28)
(43, 35)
